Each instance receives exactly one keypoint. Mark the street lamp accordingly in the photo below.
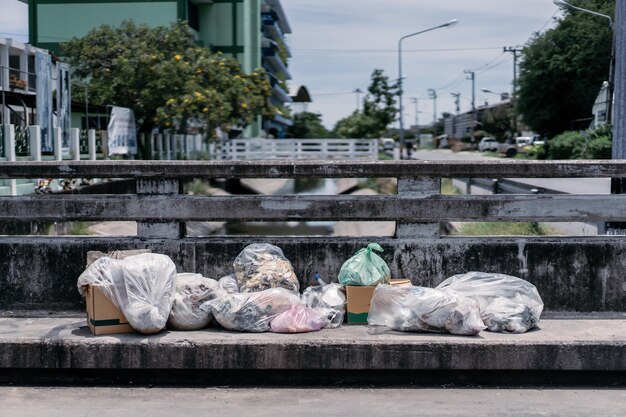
(448, 23)
(609, 93)
(503, 96)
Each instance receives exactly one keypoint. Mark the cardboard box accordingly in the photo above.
(103, 317)
(359, 299)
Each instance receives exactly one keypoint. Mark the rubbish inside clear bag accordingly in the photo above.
(190, 292)
(329, 301)
(297, 319)
(506, 303)
(365, 268)
(229, 284)
(141, 286)
(261, 266)
(419, 309)
(252, 311)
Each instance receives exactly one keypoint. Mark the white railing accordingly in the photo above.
(318, 149)
(24, 143)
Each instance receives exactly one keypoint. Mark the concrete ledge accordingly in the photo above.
(62, 344)
(578, 274)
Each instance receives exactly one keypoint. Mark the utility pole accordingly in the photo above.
(433, 94)
(472, 76)
(358, 92)
(515, 51)
(457, 103)
(618, 185)
(415, 101)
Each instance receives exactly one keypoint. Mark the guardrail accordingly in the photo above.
(264, 149)
(582, 273)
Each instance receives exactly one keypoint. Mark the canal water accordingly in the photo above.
(319, 186)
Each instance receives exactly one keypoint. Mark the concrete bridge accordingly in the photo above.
(581, 279)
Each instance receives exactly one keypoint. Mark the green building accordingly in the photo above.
(252, 31)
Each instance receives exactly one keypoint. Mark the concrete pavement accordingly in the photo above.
(314, 402)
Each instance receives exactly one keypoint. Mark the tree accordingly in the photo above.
(307, 125)
(165, 77)
(378, 111)
(562, 69)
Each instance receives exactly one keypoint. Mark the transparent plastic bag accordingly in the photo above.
(507, 304)
(253, 311)
(229, 284)
(365, 268)
(261, 266)
(298, 319)
(141, 286)
(190, 292)
(419, 309)
(329, 301)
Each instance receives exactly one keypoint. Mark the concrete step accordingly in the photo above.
(584, 349)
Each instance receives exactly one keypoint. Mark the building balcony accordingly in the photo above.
(273, 63)
(281, 94)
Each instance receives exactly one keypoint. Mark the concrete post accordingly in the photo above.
(75, 143)
(35, 142)
(165, 230)
(159, 145)
(4, 77)
(91, 141)
(58, 146)
(418, 187)
(168, 146)
(9, 135)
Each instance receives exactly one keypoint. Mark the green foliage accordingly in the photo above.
(535, 151)
(593, 144)
(378, 111)
(562, 69)
(78, 229)
(307, 125)
(165, 77)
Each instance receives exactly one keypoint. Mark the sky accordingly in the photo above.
(336, 44)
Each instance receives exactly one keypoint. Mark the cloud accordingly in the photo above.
(14, 20)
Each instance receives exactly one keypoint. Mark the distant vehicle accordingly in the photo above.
(514, 146)
(488, 144)
(387, 144)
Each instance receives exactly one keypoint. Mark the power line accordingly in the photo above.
(378, 51)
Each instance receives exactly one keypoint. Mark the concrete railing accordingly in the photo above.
(313, 149)
(582, 273)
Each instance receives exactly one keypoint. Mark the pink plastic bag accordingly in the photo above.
(298, 319)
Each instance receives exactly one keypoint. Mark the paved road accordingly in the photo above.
(282, 402)
(571, 186)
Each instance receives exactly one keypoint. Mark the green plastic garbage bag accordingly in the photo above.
(365, 268)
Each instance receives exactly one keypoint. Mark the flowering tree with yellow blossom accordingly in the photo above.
(166, 78)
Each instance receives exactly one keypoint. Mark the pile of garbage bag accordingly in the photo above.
(506, 303)
(263, 295)
(329, 301)
(141, 286)
(261, 266)
(190, 292)
(419, 309)
(251, 311)
(365, 268)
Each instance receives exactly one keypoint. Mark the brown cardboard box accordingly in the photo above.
(359, 300)
(103, 317)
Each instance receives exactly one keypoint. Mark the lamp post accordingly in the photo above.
(609, 92)
(448, 23)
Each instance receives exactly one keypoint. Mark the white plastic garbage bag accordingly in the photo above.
(507, 303)
(419, 309)
(190, 292)
(229, 283)
(252, 311)
(261, 266)
(141, 286)
(298, 319)
(329, 301)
